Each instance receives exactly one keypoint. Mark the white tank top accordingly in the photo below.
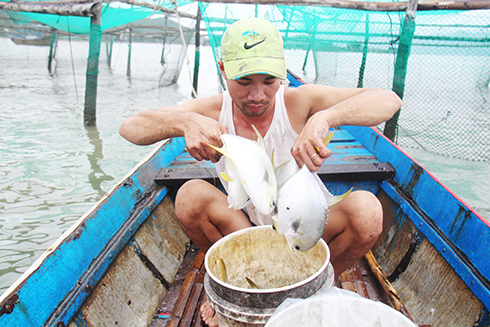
(280, 136)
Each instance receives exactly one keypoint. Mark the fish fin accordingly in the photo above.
(325, 191)
(251, 283)
(328, 138)
(220, 150)
(285, 171)
(226, 177)
(295, 225)
(275, 222)
(333, 200)
(260, 139)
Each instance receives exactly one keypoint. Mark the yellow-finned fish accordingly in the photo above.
(302, 205)
(249, 172)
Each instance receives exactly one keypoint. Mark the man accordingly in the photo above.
(293, 121)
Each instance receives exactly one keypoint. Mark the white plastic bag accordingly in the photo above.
(334, 307)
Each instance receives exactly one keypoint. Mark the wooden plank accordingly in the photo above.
(434, 292)
(373, 288)
(356, 172)
(149, 261)
(178, 307)
(350, 161)
(197, 315)
(192, 305)
(161, 242)
(358, 280)
(173, 177)
(165, 310)
(121, 287)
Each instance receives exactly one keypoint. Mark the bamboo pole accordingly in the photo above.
(386, 285)
(197, 51)
(162, 58)
(54, 8)
(92, 66)
(401, 64)
(362, 68)
(130, 45)
(370, 6)
(158, 8)
(52, 51)
(108, 51)
(72, 8)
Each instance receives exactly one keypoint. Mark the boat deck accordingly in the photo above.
(181, 304)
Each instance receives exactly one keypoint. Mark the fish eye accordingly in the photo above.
(297, 248)
(287, 208)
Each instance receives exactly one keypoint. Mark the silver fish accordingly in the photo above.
(302, 205)
(249, 172)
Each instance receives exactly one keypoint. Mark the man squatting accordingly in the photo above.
(293, 121)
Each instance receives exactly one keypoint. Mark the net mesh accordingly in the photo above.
(120, 22)
(446, 87)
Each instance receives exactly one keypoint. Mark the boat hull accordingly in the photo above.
(117, 263)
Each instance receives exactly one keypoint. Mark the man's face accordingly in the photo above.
(253, 94)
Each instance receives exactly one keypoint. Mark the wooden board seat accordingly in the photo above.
(350, 161)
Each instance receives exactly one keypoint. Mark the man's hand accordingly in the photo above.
(199, 133)
(309, 147)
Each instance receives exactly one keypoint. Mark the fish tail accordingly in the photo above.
(220, 150)
(251, 283)
(224, 275)
(328, 138)
(336, 199)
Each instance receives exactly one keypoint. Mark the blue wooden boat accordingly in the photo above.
(127, 262)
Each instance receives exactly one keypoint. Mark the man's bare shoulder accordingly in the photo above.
(317, 97)
(206, 106)
(309, 90)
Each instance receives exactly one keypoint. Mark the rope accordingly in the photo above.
(71, 53)
(174, 5)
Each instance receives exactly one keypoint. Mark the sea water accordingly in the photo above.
(53, 168)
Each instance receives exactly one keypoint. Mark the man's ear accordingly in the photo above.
(222, 68)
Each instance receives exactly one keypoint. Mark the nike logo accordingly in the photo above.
(248, 47)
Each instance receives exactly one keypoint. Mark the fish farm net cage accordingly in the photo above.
(135, 25)
(438, 61)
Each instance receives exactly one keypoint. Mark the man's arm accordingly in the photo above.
(196, 120)
(318, 108)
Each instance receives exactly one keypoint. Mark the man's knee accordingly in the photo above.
(365, 214)
(190, 200)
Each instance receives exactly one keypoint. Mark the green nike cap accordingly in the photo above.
(253, 46)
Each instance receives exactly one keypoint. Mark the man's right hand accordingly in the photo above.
(200, 132)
